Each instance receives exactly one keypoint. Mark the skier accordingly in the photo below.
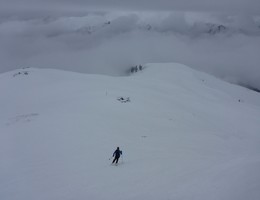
(117, 154)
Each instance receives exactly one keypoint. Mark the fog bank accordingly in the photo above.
(226, 46)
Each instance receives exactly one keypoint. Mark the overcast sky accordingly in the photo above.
(56, 34)
(238, 6)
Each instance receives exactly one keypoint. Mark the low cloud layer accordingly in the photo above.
(226, 46)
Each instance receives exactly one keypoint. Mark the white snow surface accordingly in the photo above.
(185, 135)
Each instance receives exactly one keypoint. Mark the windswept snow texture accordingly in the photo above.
(185, 136)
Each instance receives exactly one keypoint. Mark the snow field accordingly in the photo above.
(184, 135)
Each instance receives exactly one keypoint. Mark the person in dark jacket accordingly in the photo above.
(116, 154)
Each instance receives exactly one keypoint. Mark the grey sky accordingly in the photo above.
(55, 34)
(238, 6)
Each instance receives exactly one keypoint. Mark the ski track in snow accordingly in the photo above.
(22, 118)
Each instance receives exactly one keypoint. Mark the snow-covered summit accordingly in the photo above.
(184, 135)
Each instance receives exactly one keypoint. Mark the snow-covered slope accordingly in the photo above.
(184, 135)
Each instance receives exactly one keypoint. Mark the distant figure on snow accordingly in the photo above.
(116, 154)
